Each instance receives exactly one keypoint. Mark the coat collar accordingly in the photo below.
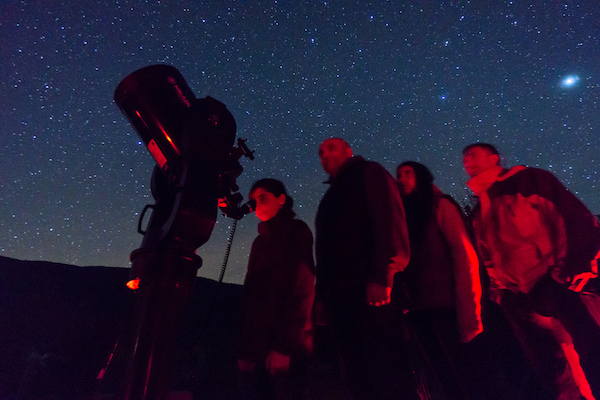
(344, 167)
(282, 218)
(483, 181)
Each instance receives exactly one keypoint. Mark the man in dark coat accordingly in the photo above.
(361, 242)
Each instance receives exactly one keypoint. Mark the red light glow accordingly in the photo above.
(133, 284)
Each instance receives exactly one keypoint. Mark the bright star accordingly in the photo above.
(569, 81)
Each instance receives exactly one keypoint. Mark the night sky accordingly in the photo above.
(417, 81)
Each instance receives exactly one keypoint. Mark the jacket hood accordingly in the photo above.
(483, 181)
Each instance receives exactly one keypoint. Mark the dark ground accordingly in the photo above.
(59, 324)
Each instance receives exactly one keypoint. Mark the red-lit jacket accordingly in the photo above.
(279, 290)
(528, 224)
(443, 271)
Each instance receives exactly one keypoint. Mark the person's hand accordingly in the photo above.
(580, 280)
(378, 295)
(277, 362)
(495, 295)
(246, 366)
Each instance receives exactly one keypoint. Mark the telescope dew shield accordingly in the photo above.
(157, 101)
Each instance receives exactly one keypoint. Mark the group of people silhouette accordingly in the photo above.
(410, 289)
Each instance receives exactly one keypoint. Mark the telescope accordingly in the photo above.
(197, 162)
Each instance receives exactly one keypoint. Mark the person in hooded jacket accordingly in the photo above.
(540, 245)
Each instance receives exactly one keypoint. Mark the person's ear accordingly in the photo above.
(281, 199)
(496, 159)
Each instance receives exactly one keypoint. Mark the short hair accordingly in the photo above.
(344, 142)
(275, 187)
(486, 146)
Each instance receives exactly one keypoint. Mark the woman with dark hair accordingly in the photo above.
(276, 329)
(440, 290)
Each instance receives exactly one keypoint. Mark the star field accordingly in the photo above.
(414, 81)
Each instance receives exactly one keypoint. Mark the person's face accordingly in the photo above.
(267, 204)
(333, 153)
(407, 179)
(477, 160)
